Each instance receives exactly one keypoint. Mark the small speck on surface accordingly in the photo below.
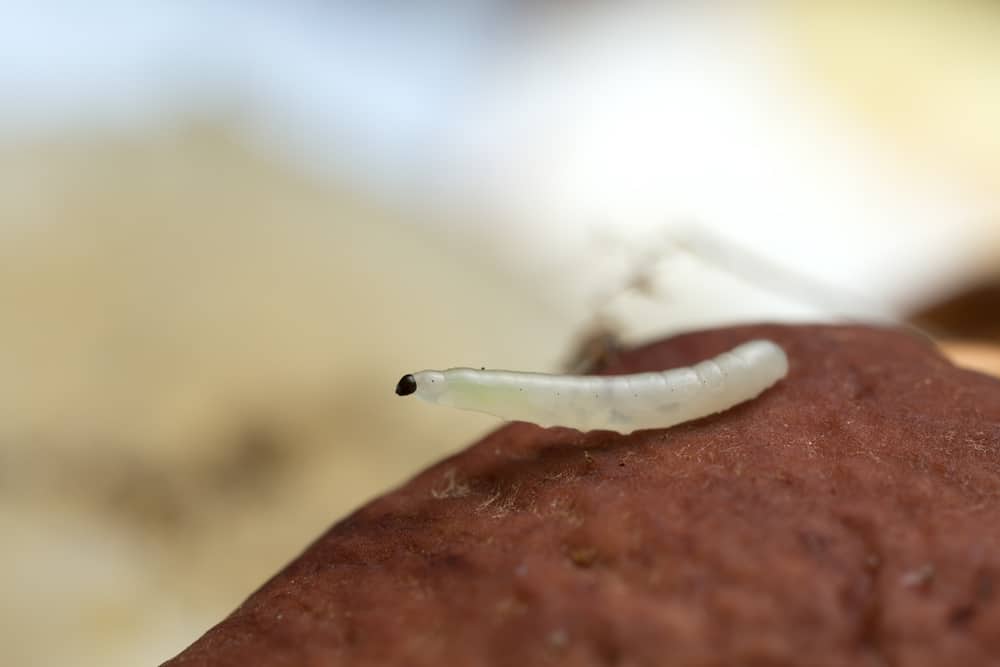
(962, 614)
(558, 638)
(919, 577)
(583, 556)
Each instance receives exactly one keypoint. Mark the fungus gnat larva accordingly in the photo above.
(622, 403)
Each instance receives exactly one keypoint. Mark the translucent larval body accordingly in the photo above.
(622, 403)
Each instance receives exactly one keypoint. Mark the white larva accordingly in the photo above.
(622, 403)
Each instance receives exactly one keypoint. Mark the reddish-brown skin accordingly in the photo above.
(849, 516)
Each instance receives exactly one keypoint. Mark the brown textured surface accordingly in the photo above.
(850, 516)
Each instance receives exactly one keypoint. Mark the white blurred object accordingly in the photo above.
(664, 120)
(550, 126)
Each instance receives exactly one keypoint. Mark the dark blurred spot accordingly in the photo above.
(984, 586)
(583, 556)
(962, 614)
(594, 350)
(145, 496)
(251, 463)
(971, 313)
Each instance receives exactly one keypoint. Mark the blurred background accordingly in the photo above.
(227, 228)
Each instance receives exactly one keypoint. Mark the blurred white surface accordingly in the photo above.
(543, 131)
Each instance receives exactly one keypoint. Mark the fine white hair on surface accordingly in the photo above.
(622, 403)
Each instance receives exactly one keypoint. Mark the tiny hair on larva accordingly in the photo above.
(623, 403)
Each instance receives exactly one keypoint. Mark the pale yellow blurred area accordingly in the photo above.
(977, 356)
(198, 352)
(924, 74)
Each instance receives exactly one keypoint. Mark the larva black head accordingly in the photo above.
(406, 385)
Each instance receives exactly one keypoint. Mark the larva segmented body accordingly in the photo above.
(622, 403)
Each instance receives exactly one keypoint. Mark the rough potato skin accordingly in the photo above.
(848, 516)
